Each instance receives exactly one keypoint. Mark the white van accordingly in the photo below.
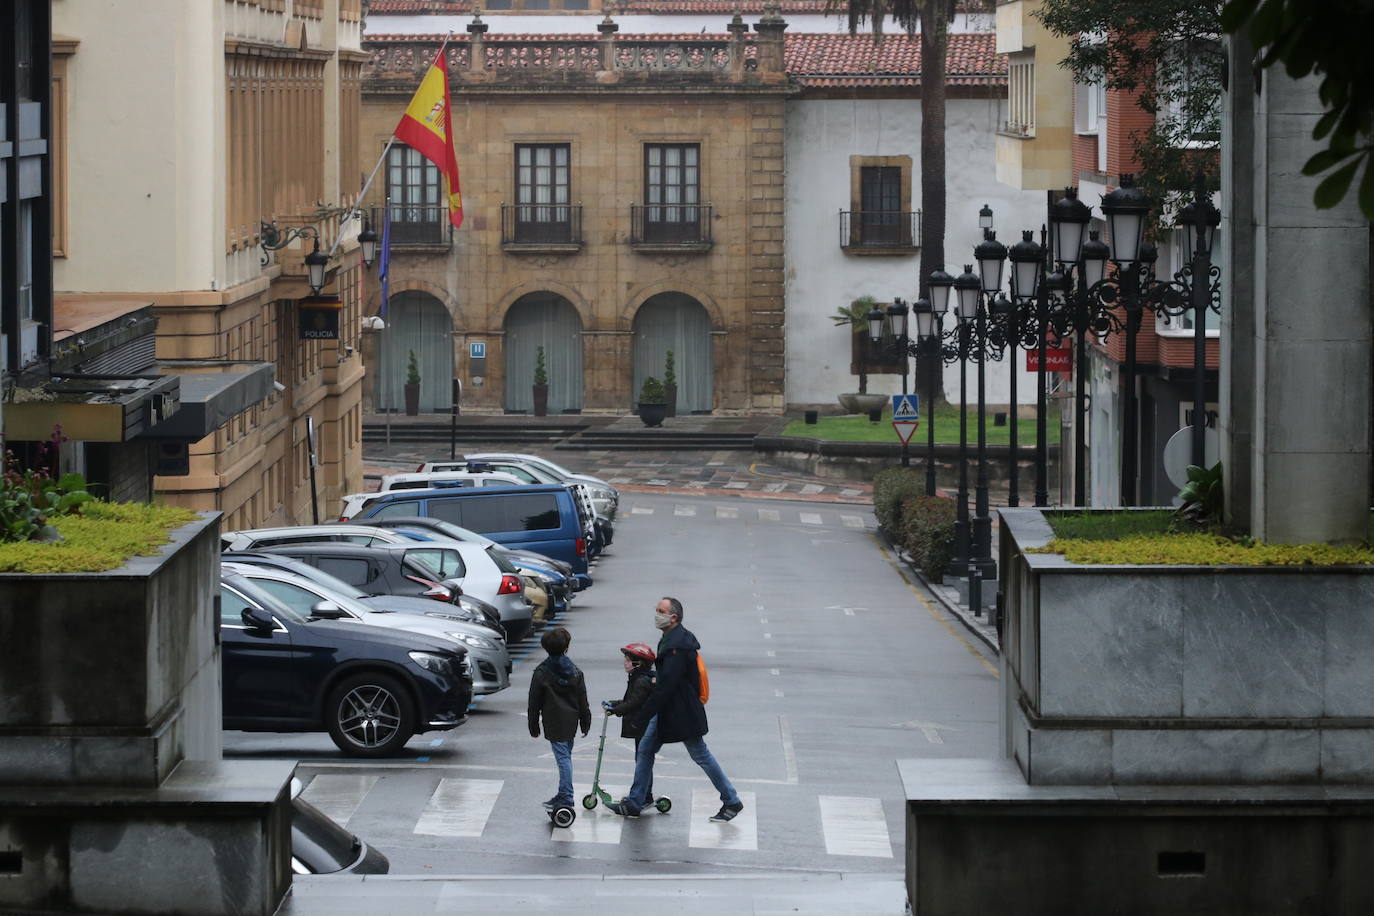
(354, 502)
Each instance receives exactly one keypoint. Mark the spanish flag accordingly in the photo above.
(427, 126)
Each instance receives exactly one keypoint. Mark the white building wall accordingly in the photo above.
(821, 136)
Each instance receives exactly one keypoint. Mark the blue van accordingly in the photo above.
(541, 518)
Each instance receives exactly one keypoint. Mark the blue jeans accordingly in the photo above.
(696, 748)
(562, 755)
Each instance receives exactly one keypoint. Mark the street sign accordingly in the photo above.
(1057, 359)
(906, 407)
(905, 428)
(319, 318)
(477, 349)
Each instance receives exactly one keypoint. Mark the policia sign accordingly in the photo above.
(319, 317)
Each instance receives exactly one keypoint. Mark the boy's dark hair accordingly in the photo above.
(556, 641)
(676, 607)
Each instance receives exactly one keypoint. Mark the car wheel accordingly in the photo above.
(370, 715)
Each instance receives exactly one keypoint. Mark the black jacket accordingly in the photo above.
(676, 697)
(559, 692)
(637, 690)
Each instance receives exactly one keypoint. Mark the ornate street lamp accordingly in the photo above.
(966, 294)
(939, 284)
(367, 241)
(1029, 290)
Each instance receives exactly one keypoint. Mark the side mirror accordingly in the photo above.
(257, 619)
(327, 610)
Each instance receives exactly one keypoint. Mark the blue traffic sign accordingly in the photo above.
(477, 349)
(906, 407)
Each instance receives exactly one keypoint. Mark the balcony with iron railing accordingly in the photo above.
(541, 228)
(416, 227)
(670, 227)
(880, 232)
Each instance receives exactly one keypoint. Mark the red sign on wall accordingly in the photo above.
(1057, 360)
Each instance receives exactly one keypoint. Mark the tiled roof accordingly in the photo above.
(440, 7)
(862, 60)
(819, 61)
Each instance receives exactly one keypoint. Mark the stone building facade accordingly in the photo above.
(659, 161)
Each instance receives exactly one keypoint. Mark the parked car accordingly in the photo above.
(370, 688)
(354, 502)
(391, 569)
(541, 518)
(253, 538)
(305, 595)
(605, 496)
(436, 527)
(319, 846)
(468, 610)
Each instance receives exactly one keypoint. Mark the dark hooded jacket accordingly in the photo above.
(558, 692)
(637, 690)
(676, 697)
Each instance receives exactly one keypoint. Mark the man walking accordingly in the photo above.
(673, 713)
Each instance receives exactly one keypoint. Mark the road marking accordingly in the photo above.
(770, 653)
(684, 510)
(852, 521)
(811, 518)
(727, 512)
(642, 510)
(740, 833)
(763, 620)
(812, 489)
(459, 807)
(789, 750)
(659, 482)
(774, 671)
(773, 487)
(595, 826)
(737, 485)
(849, 612)
(777, 693)
(854, 827)
(930, 608)
(768, 515)
(849, 491)
(339, 795)
(767, 635)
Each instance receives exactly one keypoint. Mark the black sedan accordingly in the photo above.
(370, 688)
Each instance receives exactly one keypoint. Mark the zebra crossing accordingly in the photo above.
(736, 513)
(462, 808)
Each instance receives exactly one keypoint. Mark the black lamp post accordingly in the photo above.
(991, 256)
(1031, 298)
(966, 288)
(367, 241)
(1199, 220)
(940, 284)
(1126, 209)
(901, 345)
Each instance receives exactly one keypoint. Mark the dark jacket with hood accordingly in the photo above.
(637, 690)
(559, 693)
(676, 697)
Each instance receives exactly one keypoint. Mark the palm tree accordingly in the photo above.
(933, 18)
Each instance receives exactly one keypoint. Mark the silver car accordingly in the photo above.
(486, 649)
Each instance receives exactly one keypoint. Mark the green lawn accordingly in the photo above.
(856, 428)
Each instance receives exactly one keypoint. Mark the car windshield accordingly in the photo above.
(265, 600)
(302, 595)
(318, 576)
(503, 564)
(457, 532)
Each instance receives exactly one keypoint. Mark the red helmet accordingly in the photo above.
(637, 651)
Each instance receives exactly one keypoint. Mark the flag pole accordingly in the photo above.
(390, 142)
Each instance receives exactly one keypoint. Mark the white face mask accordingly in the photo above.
(662, 621)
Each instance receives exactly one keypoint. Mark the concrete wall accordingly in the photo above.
(1184, 674)
(822, 135)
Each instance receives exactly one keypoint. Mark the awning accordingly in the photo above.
(212, 392)
(91, 408)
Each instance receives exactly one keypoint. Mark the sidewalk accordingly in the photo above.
(734, 894)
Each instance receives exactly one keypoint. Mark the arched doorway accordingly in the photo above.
(677, 322)
(544, 320)
(416, 321)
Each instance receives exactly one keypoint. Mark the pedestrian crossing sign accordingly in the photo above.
(905, 407)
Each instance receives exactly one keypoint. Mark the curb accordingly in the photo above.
(957, 611)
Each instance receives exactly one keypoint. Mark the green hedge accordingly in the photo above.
(922, 526)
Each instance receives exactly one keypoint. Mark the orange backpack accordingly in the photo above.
(703, 681)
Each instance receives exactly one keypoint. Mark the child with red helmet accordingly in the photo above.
(639, 671)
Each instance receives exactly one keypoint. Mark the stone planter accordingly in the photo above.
(862, 403)
(1184, 674)
(412, 396)
(110, 746)
(540, 393)
(652, 414)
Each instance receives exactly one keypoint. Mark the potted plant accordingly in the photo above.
(652, 403)
(541, 384)
(670, 384)
(855, 317)
(412, 386)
